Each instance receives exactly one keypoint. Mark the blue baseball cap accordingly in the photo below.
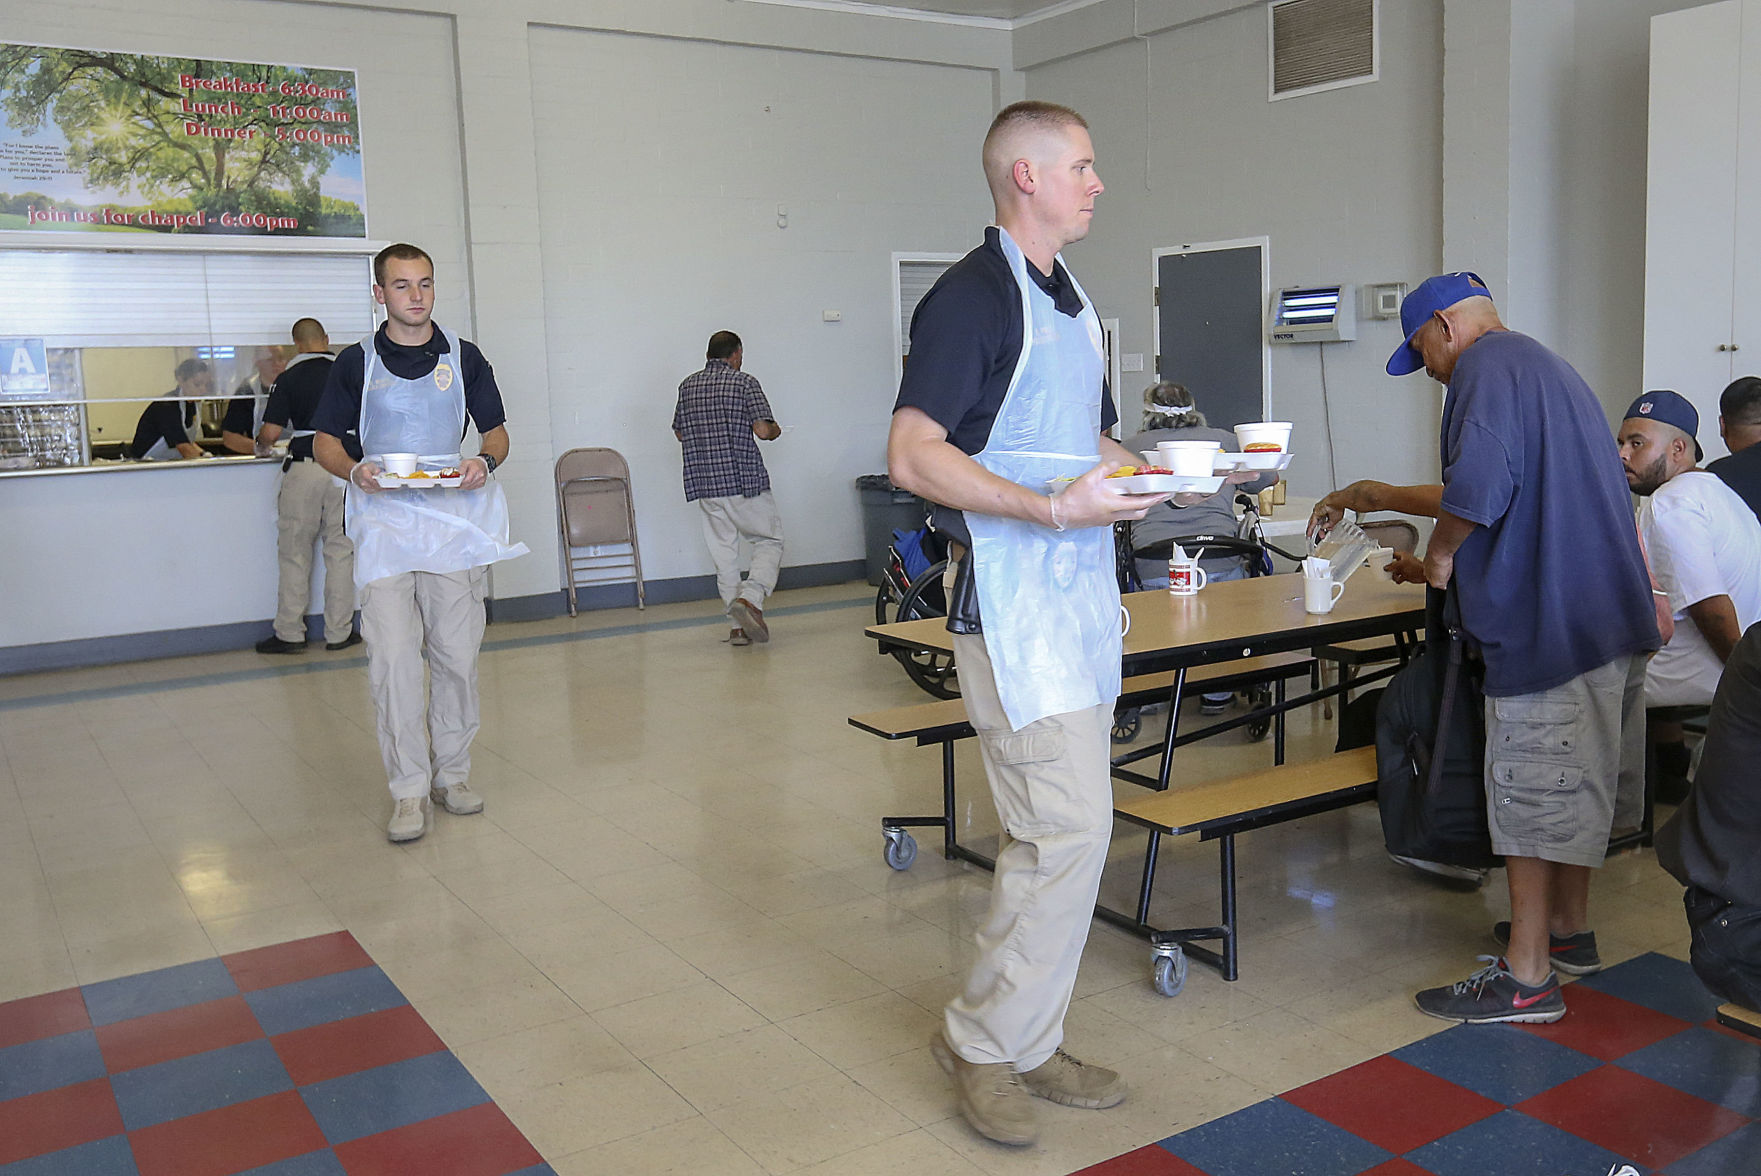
(1416, 309)
(1672, 408)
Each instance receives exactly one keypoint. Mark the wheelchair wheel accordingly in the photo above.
(886, 603)
(1258, 697)
(1126, 724)
(933, 672)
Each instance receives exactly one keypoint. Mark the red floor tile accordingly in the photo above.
(302, 959)
(1647, 1122)
(1394, 1105)
(1145, 1161)
(479, 1141)
(55, 1119)
(359, 1043)
(231, 1139)
(1605, 1026)
(177, 1033)
(37, 1017)
(1396, 1167)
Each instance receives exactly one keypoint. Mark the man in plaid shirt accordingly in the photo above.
(721, 416)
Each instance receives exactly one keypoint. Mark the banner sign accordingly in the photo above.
(94, 141)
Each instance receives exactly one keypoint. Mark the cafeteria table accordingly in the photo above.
(1223, 622)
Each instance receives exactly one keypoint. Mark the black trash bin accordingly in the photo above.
(885, 508)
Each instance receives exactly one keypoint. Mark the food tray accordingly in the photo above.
(392, 482)
(1229, 462)
(1166, 484)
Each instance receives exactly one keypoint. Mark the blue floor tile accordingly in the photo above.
(1501, 1062)
(535, 1170)
(1658, 982)
(49, 1063)
(1737, 1154)
(1704, 1062)
(1512, 1144)
(318, 1163)
(200, 1082)
(322, 999)
(1274, 1138)
(155, 992)
(101, 1157)
(391, 1096)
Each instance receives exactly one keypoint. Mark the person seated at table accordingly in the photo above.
(1170, 414)
(1739, 423)
(1712, 845)
(1705, 548)
(168, 427)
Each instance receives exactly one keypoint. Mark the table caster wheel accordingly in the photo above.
(1126, 725)
(901, 849)
(1170, 972)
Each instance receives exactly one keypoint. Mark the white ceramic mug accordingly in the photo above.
(1185, 579)
(1320, 593)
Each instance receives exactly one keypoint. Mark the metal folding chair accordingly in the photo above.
(596, 510)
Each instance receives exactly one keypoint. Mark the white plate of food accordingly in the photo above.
(1165, 483)
(422, 479)
(1271, 459)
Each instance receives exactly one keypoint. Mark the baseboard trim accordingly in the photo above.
(85, 652)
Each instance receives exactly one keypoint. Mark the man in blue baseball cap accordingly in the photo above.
(1705, 546)
(1535, 543)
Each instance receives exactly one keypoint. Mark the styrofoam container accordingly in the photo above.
(1262, 432)
(400, 465)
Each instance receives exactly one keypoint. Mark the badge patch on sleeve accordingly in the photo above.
(443, 376)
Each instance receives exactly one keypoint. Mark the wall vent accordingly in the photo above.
(1321, 45)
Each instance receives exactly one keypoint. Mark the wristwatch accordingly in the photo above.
(489, 461)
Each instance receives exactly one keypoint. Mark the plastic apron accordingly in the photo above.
(1049, 599)
(438, 529)
(192, 428)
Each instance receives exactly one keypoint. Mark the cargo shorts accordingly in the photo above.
(1565, 766)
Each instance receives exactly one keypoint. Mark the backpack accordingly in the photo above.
(1433, 806)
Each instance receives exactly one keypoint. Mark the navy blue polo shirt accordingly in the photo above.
(965, 342)
(1741, 471)
(339, 411)
(293, 402)
(163, 420)
(1551, 583)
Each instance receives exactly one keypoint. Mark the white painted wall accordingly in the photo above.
(660, 172)
(1345, 183)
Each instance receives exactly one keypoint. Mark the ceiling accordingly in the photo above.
(1003, 10)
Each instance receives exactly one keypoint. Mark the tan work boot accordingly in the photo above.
(991, 1096)
(750, 618)
(1063, 1079)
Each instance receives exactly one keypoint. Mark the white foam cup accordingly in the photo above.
(399, 465)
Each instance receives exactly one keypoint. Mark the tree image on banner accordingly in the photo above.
(200, 146)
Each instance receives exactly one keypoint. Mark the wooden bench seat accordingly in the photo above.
(1346, 776)
(1735, 1016)
(1219, 809)
(934, 722)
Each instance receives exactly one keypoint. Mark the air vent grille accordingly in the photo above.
(1322, 44)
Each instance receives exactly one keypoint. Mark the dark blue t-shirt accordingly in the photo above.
(1551, 582)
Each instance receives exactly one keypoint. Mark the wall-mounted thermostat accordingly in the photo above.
(1383, 301)
(1314, 314)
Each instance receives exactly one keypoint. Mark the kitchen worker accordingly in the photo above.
(244, 412)
(422, 555)
(168, 427)
(309, 506)
(1005, 392)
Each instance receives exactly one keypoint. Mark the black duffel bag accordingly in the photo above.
(1433, 806)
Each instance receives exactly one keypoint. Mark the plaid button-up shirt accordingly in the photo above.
(717, 408)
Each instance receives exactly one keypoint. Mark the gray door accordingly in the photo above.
(1210, 319)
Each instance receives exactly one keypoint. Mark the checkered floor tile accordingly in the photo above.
(1638, 1072)
(301, 1059)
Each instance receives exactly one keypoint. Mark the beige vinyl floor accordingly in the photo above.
(671, 944)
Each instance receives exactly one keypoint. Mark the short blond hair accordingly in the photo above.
(1011, 122)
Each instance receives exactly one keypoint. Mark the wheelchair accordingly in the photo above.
(911, 590)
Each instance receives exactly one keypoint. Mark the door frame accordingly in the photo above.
(1264, 245)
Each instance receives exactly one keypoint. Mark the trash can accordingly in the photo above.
(885, 508)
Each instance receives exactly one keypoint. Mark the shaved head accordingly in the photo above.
(1022, 130)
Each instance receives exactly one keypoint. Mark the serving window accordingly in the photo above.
(90, 341)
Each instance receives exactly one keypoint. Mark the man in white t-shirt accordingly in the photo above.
(1704, 545)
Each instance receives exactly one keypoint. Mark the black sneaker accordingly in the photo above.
(274, 644)
(353, 639)
(1493, 995)
(1575, 955)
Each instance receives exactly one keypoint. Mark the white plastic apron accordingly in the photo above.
(1048, 600)
(438, 529)
(192, 428)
